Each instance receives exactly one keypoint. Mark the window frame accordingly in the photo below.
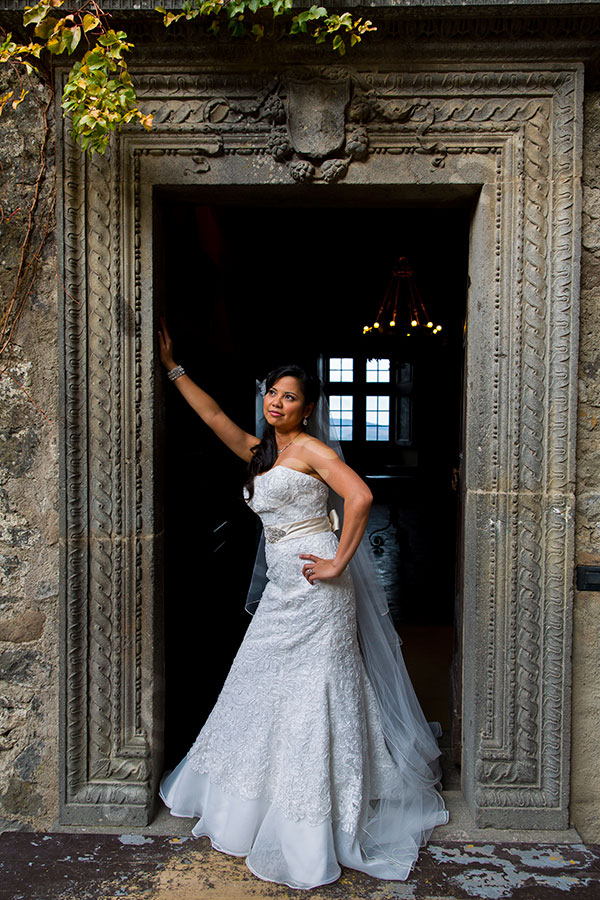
(399, 386)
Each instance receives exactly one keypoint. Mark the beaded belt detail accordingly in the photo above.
(316, 525)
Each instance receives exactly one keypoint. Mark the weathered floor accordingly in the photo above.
(135, 867)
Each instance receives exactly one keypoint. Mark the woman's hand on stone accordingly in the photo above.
(165, 346)
(319, 569)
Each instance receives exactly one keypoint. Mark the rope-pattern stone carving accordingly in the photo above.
(118, 550)
(565, 277)
(100, 456)
(139, 481)
(561, 411)
(533, 417)
(75, 465)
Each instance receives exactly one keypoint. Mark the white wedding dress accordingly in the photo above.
(291, 768)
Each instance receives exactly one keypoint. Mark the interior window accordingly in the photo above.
(378, 417)
(341, 368)
(340, 417)
(378, 370)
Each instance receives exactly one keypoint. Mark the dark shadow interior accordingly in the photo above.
(245, 288)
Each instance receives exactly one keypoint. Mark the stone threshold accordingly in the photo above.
(460, 828)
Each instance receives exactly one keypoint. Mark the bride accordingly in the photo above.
(316, 753)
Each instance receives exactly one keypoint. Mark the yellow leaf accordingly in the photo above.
(4, 100)
(15, 103)
(89, 22)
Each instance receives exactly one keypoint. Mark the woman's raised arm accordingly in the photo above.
(234, 437)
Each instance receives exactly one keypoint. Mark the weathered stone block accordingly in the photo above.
(27, 762)
(17, 450)
(28, 626)
(21, 799)
(18, 665)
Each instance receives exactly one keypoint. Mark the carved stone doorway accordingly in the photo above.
(506, 138)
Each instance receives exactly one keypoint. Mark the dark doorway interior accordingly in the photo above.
(247, 288)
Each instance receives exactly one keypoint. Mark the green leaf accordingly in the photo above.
(75, 37)
(46, 27)
(237, 28)
(34, 14)
(56, 44)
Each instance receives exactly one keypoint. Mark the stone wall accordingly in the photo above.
(28, 482)
(29, 499)
(585, 780)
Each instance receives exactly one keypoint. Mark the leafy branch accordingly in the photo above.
(99, 92)
(315, 22)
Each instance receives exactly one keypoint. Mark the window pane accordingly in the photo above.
(341, 368)
(340, 417)
(378, 370)
(378, 418)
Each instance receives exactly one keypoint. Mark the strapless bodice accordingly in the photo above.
(283, 494)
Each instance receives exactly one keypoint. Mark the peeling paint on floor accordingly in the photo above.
(137, 867)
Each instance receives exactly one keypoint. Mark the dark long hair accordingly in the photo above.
(264, 454)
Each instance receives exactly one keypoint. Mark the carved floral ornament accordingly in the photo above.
(315, 124)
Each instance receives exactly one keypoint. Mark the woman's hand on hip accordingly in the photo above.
(318, 569)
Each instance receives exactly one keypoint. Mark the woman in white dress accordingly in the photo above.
(306, 761)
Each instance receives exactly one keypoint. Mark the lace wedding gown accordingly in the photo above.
(291, 768)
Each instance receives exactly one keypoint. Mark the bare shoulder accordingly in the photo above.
(314, 449)
(319, 459)
(325, 463)
(311, 456)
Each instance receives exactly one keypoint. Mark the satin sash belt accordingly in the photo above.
(275, 533)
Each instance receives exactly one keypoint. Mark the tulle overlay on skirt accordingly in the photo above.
(293, 769)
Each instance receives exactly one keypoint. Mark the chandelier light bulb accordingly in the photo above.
(392, 323)
(430, 324)
(414, 323)
(375, 324)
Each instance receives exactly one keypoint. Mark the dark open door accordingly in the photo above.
(249, 287)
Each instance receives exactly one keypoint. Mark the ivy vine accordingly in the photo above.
(99, 93)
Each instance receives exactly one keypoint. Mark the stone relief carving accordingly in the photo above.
(315, 124)
(315, 120)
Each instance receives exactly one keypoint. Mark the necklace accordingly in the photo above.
(287, 445)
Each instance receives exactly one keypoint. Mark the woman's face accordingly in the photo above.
(284, 405)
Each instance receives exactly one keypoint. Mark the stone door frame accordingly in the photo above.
(510, 135)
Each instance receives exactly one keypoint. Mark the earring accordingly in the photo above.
(305, 421)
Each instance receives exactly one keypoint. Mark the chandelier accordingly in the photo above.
(402, 310)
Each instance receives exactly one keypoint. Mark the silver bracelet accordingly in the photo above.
(175, 373)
